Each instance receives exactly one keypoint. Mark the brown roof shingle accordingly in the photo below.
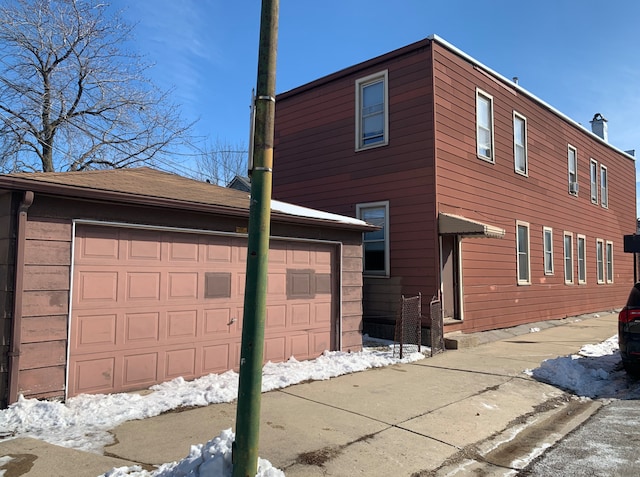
(143, 181)
(148, 186)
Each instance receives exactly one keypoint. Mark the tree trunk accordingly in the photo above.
(47, 153)
(46, 139)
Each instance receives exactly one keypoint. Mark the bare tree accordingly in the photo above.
(222, 161)
(71, 97)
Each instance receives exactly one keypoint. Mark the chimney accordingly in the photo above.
(599, 126)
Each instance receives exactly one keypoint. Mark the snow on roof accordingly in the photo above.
(291, 209)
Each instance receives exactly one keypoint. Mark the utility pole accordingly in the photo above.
(245, 447)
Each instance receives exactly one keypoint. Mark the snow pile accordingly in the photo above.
(594, 372)
(210, 459)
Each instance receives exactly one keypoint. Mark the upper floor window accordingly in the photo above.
(375, 243)
(524, 276)
(484, 126)
(372, 115)
(593, 174)
(604, 187)
(572, 157)
(520, 144)
(548, 250)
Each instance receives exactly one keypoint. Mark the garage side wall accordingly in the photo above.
(45, 307)
(7, 261)
(48, 266)
(352, 297)
(351, 291)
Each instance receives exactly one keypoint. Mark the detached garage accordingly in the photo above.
(116, 280)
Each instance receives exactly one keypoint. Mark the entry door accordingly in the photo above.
(450, 273)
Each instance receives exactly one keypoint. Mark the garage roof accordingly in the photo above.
(148, 186)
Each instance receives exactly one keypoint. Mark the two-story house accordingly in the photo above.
(488, 198)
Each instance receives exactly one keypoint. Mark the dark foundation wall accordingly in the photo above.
(381, 305)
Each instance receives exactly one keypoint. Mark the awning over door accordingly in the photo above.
(450, 224)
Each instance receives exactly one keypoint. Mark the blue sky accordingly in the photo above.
(580, 56)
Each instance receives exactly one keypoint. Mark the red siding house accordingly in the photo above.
(489, 200)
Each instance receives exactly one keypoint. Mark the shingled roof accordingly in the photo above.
(147, 186)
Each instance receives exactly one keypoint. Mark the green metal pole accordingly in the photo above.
(245, 449)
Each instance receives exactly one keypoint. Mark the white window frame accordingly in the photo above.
(491, 157)
(572, 167)
(376, 205)
(608, 269)
(600, 261)
(520, 252)
(593, 173)
(604, 187)
(382, 76)
(517, 117)
(547, 252)
(568, 259)
(581, 253)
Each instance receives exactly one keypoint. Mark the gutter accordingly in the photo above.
(520, 89)
(16, 336)
(75, 192)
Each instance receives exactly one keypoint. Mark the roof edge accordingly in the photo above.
(101, 195)
(368, 63)
(442, 42)
(457, 51)
(63, 190)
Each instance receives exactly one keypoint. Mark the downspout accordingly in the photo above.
(437, 260)
(16, 337)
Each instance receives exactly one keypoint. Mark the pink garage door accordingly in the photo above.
(149, 306)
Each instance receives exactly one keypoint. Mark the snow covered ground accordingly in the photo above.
(595, 372)
(83, 421)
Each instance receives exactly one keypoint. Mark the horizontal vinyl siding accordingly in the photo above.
(315, 164)
(496, 194)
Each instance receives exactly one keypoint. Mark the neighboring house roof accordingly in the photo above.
(240, 183)
(146, 186)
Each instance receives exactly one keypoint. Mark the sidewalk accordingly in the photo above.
(449, 414)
